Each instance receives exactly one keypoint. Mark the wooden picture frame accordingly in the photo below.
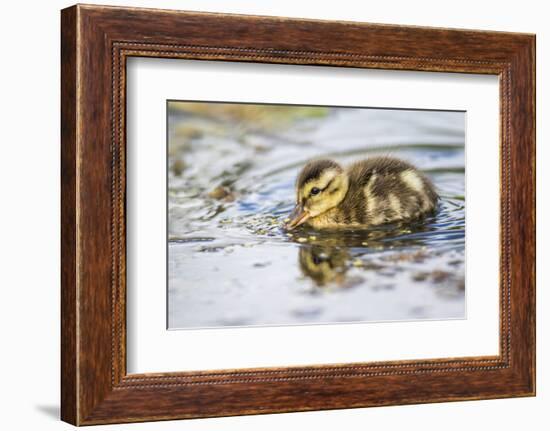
(96, 41)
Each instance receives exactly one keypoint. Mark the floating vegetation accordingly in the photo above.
(222, 193)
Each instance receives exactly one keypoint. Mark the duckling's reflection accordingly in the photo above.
(324, 265)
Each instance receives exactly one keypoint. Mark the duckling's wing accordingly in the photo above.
(361, 172)
(386, 189)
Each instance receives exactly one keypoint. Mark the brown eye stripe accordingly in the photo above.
(322, 189)
(328, 184)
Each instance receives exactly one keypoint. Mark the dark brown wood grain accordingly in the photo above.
(95, 42)
(68, 216)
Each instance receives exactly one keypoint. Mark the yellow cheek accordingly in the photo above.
(320, 203)
(312, 204)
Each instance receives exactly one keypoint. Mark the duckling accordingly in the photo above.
(367, 193)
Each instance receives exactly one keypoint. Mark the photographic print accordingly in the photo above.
(293, 215)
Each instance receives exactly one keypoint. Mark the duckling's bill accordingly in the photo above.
(297, 217)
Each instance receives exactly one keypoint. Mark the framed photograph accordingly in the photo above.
(263, 214)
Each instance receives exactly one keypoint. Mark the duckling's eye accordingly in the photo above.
(315, 191)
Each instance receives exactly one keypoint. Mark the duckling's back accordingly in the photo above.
(384, 190)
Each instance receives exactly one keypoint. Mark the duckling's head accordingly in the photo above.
(320, 186)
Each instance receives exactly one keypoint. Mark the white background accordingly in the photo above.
(29, 215)
(152, 349)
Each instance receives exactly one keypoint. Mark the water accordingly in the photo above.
(231, 184)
